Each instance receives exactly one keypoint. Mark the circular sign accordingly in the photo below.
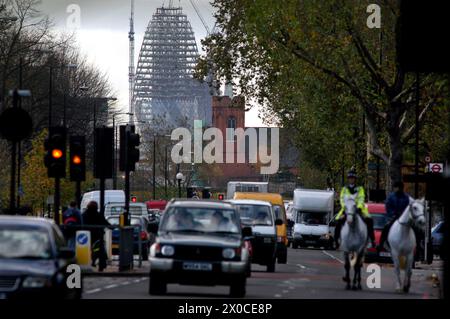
(82, 239)
(15, 124)
(428, 159)
(436, 168)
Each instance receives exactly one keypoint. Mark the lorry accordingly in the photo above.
(246, 187)
(313, 211)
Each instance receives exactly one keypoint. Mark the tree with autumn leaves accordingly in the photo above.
(316, 68)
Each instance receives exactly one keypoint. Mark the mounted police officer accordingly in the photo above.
(350, 189)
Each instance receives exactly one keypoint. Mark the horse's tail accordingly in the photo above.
(402, 262)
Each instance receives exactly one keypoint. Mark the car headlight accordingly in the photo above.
(326, 236)
(228, 253)
(167, 250)
(36, 282)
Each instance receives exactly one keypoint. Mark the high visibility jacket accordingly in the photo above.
(360, 201)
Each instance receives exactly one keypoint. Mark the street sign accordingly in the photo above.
(15, 124)
(427, 159)
(436, 168)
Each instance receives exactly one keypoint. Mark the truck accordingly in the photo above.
(313, 211)
(246, 187)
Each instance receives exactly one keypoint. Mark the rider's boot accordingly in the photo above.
(371, 232)
(337, 232)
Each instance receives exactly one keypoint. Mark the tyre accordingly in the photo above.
(271, 265)
(157, 286)
(238, 288)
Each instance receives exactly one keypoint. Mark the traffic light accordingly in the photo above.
(55, 158)
(133, 199)
(221, 197)
(129, 148)
(77, 153)
(103, 152)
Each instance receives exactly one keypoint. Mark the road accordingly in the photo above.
(309, 274)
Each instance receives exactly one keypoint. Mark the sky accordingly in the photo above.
(102, 34)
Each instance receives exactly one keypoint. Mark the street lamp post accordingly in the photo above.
(179, 179)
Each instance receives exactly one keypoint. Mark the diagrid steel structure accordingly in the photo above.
(165, 92)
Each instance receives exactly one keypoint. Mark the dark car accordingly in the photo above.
(34, 260)
(140, 234)
(437, 238)
(199, 243)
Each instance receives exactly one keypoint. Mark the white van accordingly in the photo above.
(136, 209)
(312, 212)
(111, 196)
(246, 187)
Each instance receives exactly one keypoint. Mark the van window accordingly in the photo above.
(255, 215)
(311, 218)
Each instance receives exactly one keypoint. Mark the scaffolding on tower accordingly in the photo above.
(165, 92)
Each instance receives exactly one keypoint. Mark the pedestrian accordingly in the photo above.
(72, 221)
(95, 222)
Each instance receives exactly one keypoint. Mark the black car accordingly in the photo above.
(199, 243)
(34, 260)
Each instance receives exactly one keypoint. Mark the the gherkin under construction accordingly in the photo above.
(165, 91)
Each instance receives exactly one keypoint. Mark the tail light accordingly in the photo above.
(144, 235)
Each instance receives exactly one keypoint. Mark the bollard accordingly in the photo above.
(126, 248)
(83, 247)
(107, 239)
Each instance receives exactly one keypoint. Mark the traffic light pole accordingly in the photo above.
(57, 200)
(102, 196)
(78, 193)
(127, 179)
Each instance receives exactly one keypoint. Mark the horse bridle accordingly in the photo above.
(412, 216)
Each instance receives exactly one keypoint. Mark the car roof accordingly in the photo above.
(123, 204)
(249, 202)
(27, 221)
(376, 208)
(200, 203)
(273, 198)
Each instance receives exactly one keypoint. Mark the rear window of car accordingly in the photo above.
(256, 215)
(379, 220)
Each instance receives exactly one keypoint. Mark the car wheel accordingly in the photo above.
(271, 266)
(157, 286)
(237, 288)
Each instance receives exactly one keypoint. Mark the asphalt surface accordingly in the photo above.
(309, 274)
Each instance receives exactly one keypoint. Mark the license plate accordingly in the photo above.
(385, 254)
(197, 266)
(310, 241)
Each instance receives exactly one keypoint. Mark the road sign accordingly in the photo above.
(436, 168)
(427, 159)
(83, 247)
(15, 124)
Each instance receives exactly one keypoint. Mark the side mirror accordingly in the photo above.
(247, 232)
(66, 253)
(153, 228)
(278, 222)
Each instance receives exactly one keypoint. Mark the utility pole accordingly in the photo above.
(417, 131)
(131, 75)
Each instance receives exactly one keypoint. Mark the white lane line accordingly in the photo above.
(331, 256)
(125, 283)
(111, 286)
(301, 266)
(93, 291)
(277, 296)
(285, 291)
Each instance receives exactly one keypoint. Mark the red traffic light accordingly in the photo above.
(76, 160)
(57, 153)
(133, 199)
(221, 196)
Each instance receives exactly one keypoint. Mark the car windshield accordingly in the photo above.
(24, 243)
(134, 210)
(256, 215)
(379, 221)
(199, 219)
(312, 218)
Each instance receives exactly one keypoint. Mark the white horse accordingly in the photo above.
(353, 242)
(402, 241)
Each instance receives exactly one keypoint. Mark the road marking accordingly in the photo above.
(277, 296)
(331, 256)
(301, 266)
(125, 283)
(111, 286)
(93, 291)
(285, 291)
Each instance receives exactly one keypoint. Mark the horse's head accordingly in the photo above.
(417, 211)
(350, 207)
